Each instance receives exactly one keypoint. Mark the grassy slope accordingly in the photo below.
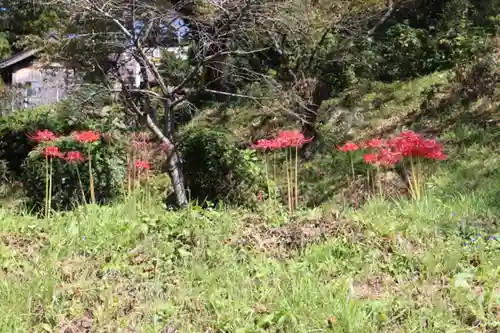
(389, 267)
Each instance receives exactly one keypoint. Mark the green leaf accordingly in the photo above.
(461, 280)
(184, 253)
(47, 328)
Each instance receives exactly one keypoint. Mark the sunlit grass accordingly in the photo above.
(430, 265)
(145, 270)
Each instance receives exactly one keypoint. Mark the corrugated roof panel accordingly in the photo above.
(18, 57)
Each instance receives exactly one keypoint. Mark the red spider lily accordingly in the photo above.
(140, 145)
(402, 146)
(375, 143)
(262, 144)
(43, 135)
(52, 151)
(142, 165)
(348, 147)
(74, 157)
(407, 144)
(164, 147)
(437, 155)
(370, 158)
(285, 139)
(86, 136)
(411, 137)
(410, 144)
(277, 144)
(431, 149)
(293, 138)
(389, 158)
(265, 144)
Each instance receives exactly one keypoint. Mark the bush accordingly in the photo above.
(406, 52)
(14, 129)
(480, 78)
(215, 169)
(62, 119)
(108, 169)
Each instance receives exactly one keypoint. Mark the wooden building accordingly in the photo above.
(30, 83)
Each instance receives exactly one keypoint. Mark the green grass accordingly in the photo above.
(394, 266)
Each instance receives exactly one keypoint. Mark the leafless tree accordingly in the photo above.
(217, 32)
(107, 35)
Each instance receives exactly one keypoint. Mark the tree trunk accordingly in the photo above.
(177, 177)
(167, 136)
(174, 160)
(310, 114)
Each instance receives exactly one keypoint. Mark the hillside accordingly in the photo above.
(309, 166)
(388, 266)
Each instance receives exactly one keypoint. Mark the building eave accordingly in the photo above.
(19, 57)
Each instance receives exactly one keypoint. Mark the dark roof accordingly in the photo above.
(18, 57)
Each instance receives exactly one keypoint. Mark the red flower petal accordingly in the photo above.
(375, 143)
(349, 146)
(52, 151)
(142, 165)
(292, 138)
(370, 158)
(74, 157)
(86, 136)
(43, 135)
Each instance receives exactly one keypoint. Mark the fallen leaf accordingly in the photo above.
(331, 321)
(260, 308)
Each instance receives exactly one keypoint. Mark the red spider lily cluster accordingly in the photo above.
(43, 136)
(86, 136)
(388, 153)
(139, 144)
(142, 165)
(348, 147)
(72, 157)
(140, 152)
(285, 139)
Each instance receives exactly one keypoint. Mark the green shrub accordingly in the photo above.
(405, 51)
(62, 119)
(4, 176)
(108, 169)
(480, 78)
(215, 169)
(15, 128)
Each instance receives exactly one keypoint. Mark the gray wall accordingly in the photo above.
(36, 88)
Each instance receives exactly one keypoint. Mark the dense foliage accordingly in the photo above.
(20, 19)
(71, 176)
(23, 161)
(289, 73)
(216, 169)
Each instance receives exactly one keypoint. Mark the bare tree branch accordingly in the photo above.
(387, 15)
